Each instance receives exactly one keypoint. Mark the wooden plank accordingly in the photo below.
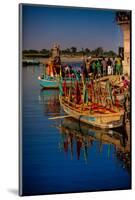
(60, 117)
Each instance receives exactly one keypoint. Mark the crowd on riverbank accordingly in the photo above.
(96, 67)
(89, 67)
(104, 66)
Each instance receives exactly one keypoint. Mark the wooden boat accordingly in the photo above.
(100, 117)
(48, 81)
(53, 71)
(116, 86)
(52, 82)
(27, 62)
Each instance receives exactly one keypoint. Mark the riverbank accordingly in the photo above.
(65, 59)
(38, 61)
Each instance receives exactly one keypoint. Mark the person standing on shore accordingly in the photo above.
(104, 65)
(93, 68)
(118, 66)
(84, 70)
(113, 66)
(88, 65)
(98, 66)
(109, 66)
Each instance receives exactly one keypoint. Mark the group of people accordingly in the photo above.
(102, 67)
(97, 67)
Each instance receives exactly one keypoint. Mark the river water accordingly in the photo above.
(61, 156)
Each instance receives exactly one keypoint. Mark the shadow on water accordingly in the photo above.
(84, 136)
(50, 101)
(86, 158)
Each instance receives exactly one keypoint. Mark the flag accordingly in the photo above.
(76, 74)
(60, 71)
(78, 93)
(65, 88)
(60, 87)
(85, 93)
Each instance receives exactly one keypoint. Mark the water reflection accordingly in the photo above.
(86, 160)
(50, 101)
(84, 137)
(78, 138)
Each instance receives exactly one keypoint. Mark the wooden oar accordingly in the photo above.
(60, 117)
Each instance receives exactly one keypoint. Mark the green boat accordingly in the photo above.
(52, 82)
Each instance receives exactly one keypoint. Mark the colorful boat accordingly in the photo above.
(99, 117)
(53, 82)
(53, 71)
(48, 82)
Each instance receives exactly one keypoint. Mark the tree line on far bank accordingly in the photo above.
(98, 52)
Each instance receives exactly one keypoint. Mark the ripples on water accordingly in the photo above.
(63, 155)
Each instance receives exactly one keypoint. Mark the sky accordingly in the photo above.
(42, 26)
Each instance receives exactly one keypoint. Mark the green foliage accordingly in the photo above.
(98, 52)
(109, 54)
(33, 51)
(87, 51)
(73, 49)
(25, 51)
(44, 51)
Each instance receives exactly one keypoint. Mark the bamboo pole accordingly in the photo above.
(60, 117)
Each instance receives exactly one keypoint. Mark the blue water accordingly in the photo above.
(58, 160)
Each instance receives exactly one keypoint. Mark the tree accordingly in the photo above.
(111, 53)
(87, 51)
(99, 51)
(25, 51)
(73, 49)
(67, 50)
(92, 53)
(44, 51)
(32, 51)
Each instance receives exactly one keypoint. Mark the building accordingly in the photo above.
(123, 19)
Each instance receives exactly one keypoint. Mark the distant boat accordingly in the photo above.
(48, 82)
(100, 117)
(52, 82)
(27, 62)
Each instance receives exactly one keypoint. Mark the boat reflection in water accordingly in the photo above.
(79, 137)
(50, 101)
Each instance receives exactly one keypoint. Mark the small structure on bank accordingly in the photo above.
(123, 19)
(55, 50)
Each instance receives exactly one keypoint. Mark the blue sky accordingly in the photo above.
(83, 28)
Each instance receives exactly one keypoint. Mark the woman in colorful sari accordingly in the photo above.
(118, 66)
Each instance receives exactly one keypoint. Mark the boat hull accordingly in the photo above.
(49, 82)
(104, 121)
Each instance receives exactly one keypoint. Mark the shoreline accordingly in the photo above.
(63, 59)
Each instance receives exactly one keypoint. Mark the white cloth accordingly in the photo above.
(109, 70)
